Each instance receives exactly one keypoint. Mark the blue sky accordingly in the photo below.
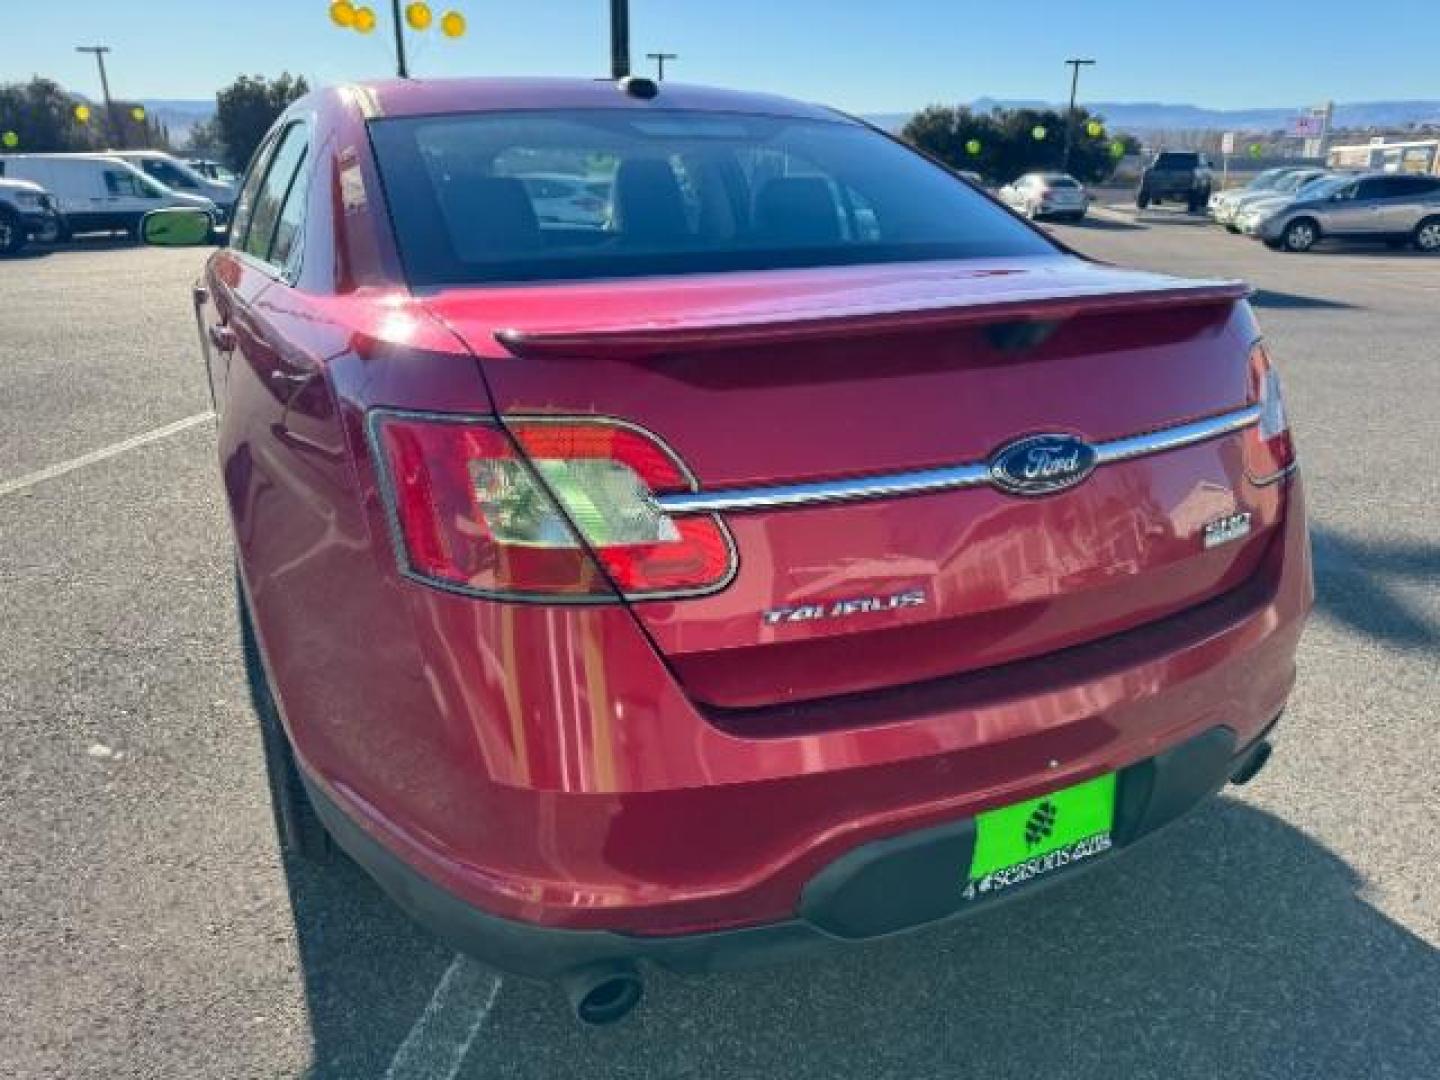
(857, 54)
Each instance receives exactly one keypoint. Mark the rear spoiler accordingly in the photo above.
(727, 332)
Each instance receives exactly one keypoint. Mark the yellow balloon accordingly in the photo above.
(82, 113)
(138, 114)
(452, 24)
(10, 140)
(364, 20)
(342, 13)
(1095, 128)
(418, 16)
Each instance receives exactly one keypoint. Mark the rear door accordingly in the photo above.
(279, 430)
(1362, 211)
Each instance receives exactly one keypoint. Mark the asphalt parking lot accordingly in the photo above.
(150, 928)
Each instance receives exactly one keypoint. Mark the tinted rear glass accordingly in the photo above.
(668, 193)
(1177, 161)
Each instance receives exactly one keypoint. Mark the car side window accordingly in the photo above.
(245, 201)
(1374, 187)
(1410, 186)
(270, 198)
(288, 244)
(123, 184)
(169, 175)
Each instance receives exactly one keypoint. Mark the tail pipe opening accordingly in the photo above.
(603, 993)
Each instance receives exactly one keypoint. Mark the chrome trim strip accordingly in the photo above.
(950, 478)
(1173, 438)
(922, 481)
(1275, 478)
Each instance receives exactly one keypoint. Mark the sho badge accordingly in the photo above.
(836, 609)
(1225, 530)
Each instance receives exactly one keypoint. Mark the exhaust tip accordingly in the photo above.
(603, 994)
(1253, 763)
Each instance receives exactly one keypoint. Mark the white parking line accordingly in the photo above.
(9, 487)
(435, 1048)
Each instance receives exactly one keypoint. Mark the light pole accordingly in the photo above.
(660, 58)
(115, 130)
(1075, 66)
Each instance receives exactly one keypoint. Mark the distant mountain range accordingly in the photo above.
(1156, 116)
(1135, 116)
(178, 114)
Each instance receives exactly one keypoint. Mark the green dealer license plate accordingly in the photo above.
(1018, 843)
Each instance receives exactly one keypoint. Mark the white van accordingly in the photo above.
(98, 193)
(179, 176)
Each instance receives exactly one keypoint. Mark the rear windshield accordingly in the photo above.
(1177, 161)
(535, 196)
(1059, 181)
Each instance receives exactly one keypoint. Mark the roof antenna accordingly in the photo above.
(619, 39)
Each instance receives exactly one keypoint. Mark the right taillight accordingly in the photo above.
(1269, 448)
(550, 509)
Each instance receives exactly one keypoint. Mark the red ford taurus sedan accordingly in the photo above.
(801, 548)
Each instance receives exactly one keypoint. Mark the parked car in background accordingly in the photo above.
(213, 170)
(731, 580)
(180, 176)
(1178, 175)
(1222, 203)
(98, 192)
(1264, 204)
(1284, 189)
(563, 199)
(1398, 208)
(972, 177)
(27, 212)
(1046, 195)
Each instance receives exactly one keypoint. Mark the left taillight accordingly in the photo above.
(544, 509)
(1269, 446)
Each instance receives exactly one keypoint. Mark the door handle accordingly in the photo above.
(222, 337)
(291, 378)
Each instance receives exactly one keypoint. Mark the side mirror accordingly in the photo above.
(176, 226)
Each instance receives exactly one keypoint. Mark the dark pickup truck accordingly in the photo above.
(1183, 176)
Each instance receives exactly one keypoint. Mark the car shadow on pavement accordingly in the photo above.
(1270, 298)
(1231, 944)
(369, 970)
(1106, 224)
(82, 246)
(1359, 583)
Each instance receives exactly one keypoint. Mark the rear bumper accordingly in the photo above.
(630, 810)
(879, 889)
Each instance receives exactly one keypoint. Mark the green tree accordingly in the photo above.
(42, 116)
(204, 139)
(1003, 144)
(957, 136)
(145, 133)
(246, 108)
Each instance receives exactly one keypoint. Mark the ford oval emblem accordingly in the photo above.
(1042, 464)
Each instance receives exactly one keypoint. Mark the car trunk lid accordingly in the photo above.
(793, 378)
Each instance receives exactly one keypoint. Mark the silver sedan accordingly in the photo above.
(1039, 195)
